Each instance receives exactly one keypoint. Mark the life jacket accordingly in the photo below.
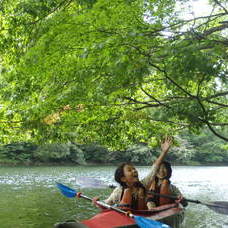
(164, 188)
(129, 201)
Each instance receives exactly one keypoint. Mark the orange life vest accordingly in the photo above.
(164, 188)
(128, 201)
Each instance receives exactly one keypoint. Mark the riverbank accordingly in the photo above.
(91, 164)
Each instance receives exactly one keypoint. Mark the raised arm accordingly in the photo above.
(165, 145)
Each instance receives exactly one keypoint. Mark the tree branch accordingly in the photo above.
(218, 3)
(217, 95)
(148, 104)
(169, 121)
(205, 120)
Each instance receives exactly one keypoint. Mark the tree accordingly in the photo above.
(128, 71)
(207, 147)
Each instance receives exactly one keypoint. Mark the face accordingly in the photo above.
(130, 175)
(162, 172)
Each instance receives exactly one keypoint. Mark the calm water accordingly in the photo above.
(29, 198)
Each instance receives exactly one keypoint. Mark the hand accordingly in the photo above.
(94, 200)
(182, 200)
(166, 143)
(179, 199)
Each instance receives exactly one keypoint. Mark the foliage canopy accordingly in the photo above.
(112, 72)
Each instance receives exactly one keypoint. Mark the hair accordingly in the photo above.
(168, 168)
(119, 173)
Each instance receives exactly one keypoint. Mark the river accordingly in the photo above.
(29, 198)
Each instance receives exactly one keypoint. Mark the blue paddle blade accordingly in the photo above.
(148, 223)
(66, 191)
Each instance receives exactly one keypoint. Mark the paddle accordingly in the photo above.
(220, 207)
(140, 221)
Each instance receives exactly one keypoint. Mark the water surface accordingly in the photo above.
(29, 198)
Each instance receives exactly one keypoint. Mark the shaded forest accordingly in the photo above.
(188, 149)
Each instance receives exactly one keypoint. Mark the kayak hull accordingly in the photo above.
(171, 214)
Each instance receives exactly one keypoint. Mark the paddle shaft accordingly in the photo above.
(220, 207)
(174, 197)
(107, 206)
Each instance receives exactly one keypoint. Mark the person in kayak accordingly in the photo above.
(162, 185)
(132, 193)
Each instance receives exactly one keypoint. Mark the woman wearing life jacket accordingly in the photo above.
(131, 194)
(162, 185)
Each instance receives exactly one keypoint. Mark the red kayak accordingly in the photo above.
(171, 214)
